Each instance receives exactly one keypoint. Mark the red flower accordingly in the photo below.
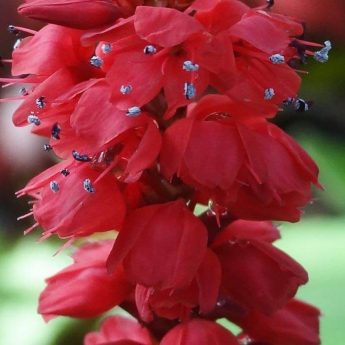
(179, 303)
(254, 273)
(72, 201)
(160, 246)
(85, 288)
(119, 330)
(80, 14)
(295, 324)
(198, 331)
(253, 168)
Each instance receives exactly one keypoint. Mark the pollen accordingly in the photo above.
(133, 111)
(322, 55)
(189, 90)
(106, 48)
(79, 157)
(88, 186)
(277, 59)
(189, 66)
(33, 118)
(96, 61)
(269, 93)
(150, 50)
(54, 186)
(126, 89)
(65, 172)
(47, 147)
(55, 132)
(40, 102)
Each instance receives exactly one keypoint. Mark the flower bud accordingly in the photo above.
(79, 14)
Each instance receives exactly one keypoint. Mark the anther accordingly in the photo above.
(33, 118)
(88, 186)
(189, 90)
(270, 3)
(96, 61)
(17, 43)
(13, 30)
(322, 55)
(277, 59)
(23, 91)
(106, 48)
(133, 111)
(150, 50)
(54, 186)
(126, 89)
(269, 93)
(301, 105)
(40, 102)
(189, 66)
(47, 147)
(80, 158)
(65, 172)
(55, 131)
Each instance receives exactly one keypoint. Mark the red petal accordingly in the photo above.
(247, 230)
(258, 275)
(54, 47)
(295, 324)
(84, 289)
(158, 25)
(261, 33)
(196, 332)
(161, 246)
(119, 330)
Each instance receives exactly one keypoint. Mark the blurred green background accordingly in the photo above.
(317, 242)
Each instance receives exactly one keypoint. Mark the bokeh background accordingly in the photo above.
(317, 242)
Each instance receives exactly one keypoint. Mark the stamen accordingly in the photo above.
(80, 158)
(65, 172)
(55, 132)
(289, 101)
(47, 147)
(322, 54)
(269, 93)
(54, 186)
(88, 186)
(17, 29)
(96, 61)
(133, 111)
(189, 90)
(150, 50)
(126, 89)
(189, 66)
(277, 59)
(40, 102)
(27, 231)
(106, 48)
(33, 118)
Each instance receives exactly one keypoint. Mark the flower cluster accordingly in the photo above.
(155, 109)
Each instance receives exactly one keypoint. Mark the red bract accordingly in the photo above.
(199, 332)
(78, 204)
(85, 288)
(80, 14)
(119, 330)
(295, 324)
(245, 163)
(160, 246)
